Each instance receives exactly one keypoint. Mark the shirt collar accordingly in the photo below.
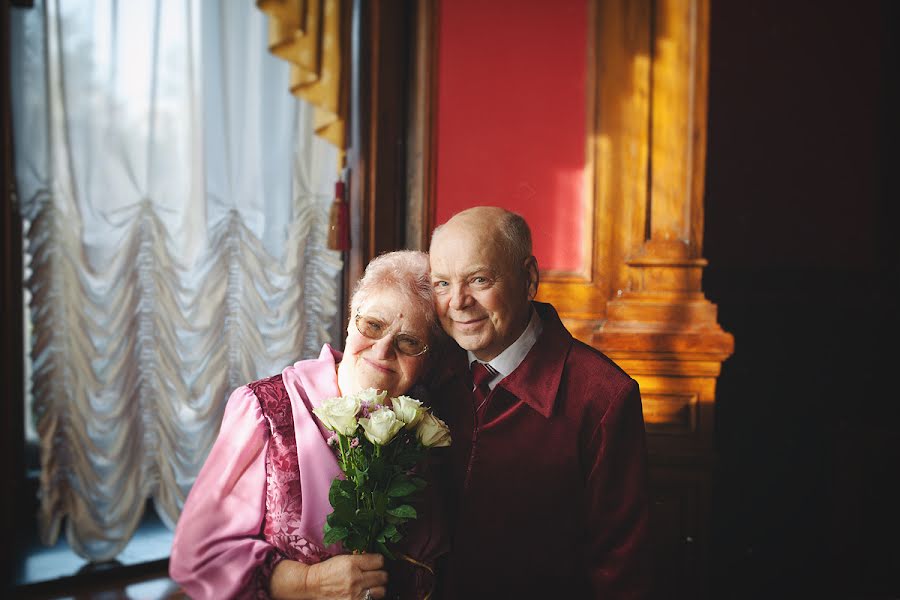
(507, 361)
(537, 380)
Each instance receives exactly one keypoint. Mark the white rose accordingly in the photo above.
(372, 396)
(409, 410)
(432, 432)
(339, 414)
(381, 426)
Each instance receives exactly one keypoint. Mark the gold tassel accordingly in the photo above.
(339, 220)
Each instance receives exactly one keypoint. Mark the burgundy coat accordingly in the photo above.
(550, 490)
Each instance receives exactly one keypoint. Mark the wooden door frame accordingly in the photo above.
(12, 368)
(380, 51)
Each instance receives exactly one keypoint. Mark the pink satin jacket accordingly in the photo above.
(262, 494)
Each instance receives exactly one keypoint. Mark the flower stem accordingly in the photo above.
(343, 445)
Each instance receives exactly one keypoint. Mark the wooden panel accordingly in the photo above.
(672, 414)
(679, 413)
(678, 121)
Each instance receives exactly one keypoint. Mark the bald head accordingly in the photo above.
(484, 278)
(508, 230)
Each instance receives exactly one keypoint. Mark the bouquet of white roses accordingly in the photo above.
(378, 440)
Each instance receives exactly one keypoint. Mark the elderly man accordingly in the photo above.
(549, 453)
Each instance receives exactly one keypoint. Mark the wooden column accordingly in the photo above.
(659, 326)
(659, 323)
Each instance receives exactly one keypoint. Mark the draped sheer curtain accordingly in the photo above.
(176, 205)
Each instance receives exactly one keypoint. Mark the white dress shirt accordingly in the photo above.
(507, 361)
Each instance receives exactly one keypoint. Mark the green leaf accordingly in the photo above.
(420, 483)
(334, 492)
(401, 487)
(343, 514)
(334, 535)
(389, 531)
(340, 489)
(404, 511)
(360, 475)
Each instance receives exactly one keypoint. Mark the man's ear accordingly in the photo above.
(532, 276)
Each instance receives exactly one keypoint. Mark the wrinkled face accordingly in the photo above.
(377, 363)
(482, 299)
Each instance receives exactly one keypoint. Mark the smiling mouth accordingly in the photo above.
(470, 324)
(378, 367)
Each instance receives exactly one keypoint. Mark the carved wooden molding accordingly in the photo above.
(670, 413)
(660, 309)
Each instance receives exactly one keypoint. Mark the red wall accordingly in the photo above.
(511, 121)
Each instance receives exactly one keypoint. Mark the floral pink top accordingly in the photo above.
(262, 495)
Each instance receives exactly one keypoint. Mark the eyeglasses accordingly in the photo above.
(375, 329)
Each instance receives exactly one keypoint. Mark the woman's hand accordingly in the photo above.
(343, 577)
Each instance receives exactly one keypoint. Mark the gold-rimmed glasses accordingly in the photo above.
(375, 329)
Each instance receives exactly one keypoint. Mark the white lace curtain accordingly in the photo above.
(176, 207)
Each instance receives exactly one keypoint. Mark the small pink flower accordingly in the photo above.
(354, 443)
(332, 439)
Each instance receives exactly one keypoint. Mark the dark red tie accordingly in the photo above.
(481, 374)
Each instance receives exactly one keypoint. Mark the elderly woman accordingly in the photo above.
(252, 526)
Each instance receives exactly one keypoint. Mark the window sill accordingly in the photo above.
(142, 565)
